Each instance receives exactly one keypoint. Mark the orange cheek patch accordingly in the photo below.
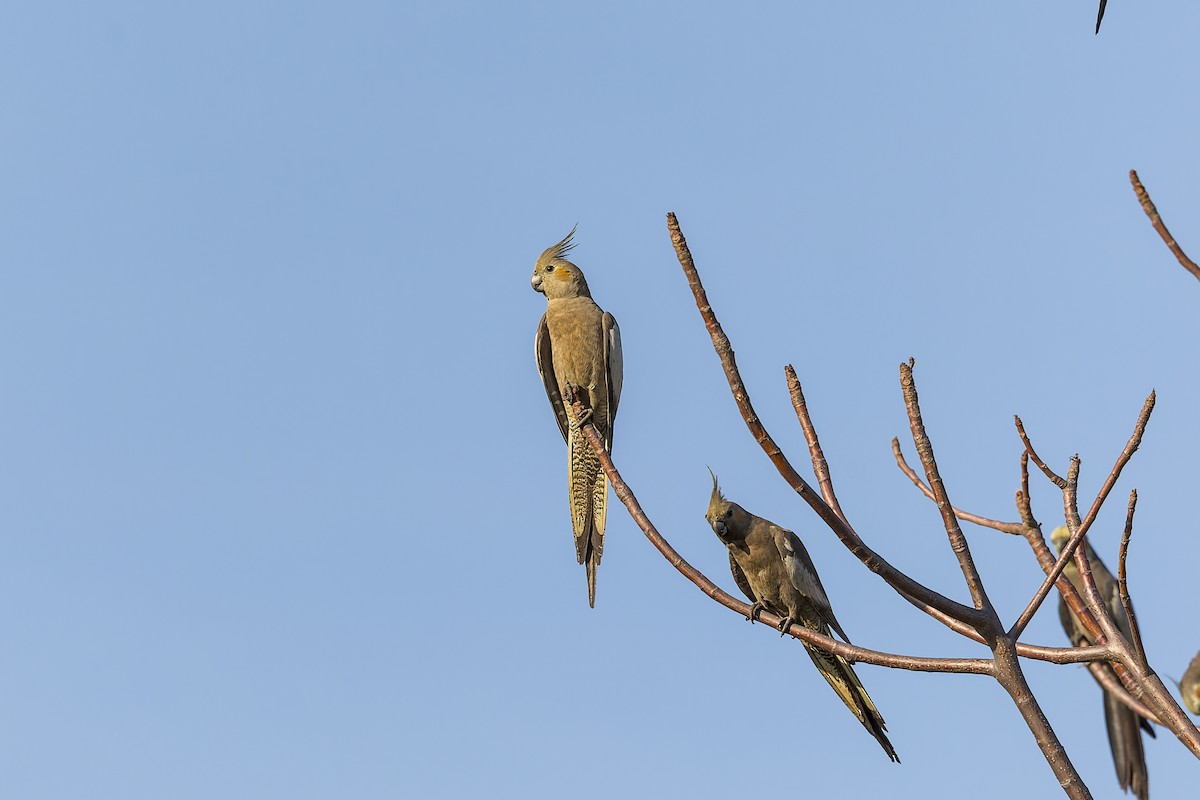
(562, 273)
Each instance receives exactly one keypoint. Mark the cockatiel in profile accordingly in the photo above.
(578, 343)
(772, 568)
(1123, 724)
(1189, 687)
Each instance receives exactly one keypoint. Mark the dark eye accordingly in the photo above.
(729, 513)
(549, 268)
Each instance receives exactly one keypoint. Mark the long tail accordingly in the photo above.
(1125, 741)
(587, 488)
(840, 675)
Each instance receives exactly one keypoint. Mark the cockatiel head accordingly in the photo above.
(729, 521)
(556, 277)
(1059, 537)
(1189, 687)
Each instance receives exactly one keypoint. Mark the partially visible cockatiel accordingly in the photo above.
(772, 568)
(578, 343)
(1123, 724)
(1189, 687)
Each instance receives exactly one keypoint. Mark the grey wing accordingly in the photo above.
(803, 575)
(739, 578)
(544, 356)
(1109, 591)
(614, 369)
(1075, 632)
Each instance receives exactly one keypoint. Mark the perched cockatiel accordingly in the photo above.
(1124, 725)
(578, 343)
(1189, 687)
(772, 568)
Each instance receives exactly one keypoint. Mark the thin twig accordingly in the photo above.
(1122, 587)
(1148, 206)
(958, 542)
(1107, 679)
(1083, 565)
(1056, 479)
(1014, 528)
(820, 465)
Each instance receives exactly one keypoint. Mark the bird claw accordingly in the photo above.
(583, 419)
(787, 623)
(755, 610)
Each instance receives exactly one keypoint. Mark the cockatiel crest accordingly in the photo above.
(728, 520)
(555, 276)
(578, 344)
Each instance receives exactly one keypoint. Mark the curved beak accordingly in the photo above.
(536, 282)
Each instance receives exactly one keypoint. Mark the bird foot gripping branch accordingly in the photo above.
(584, 418)
(571, 394)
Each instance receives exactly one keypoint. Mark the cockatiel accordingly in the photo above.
(772, 568)
(1189, 687)
(1124, 725)
(578, 343)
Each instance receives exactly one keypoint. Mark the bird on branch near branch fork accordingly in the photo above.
(772, 568)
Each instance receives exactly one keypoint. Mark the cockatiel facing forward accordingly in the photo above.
(772, 568)
(578, 343)
(1123, 724)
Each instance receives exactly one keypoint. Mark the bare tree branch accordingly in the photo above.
(1030, 529)
(1108, 680)
(1123, 586)
(1015, 528)
(873, 561)
(820, 465)
(1148, 206)
(1054, 478)
(1141, 681)
(1006, 664)
(821, 468)
(1069, 492)
(958, 542)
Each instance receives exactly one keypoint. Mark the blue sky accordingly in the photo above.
(284, 505)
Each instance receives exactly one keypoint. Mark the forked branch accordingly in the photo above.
(982, 619)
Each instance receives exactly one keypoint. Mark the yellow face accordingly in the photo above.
(1059, 536)
(556, 278)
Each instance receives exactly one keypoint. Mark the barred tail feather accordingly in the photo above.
(585, 481)
(595, 548)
